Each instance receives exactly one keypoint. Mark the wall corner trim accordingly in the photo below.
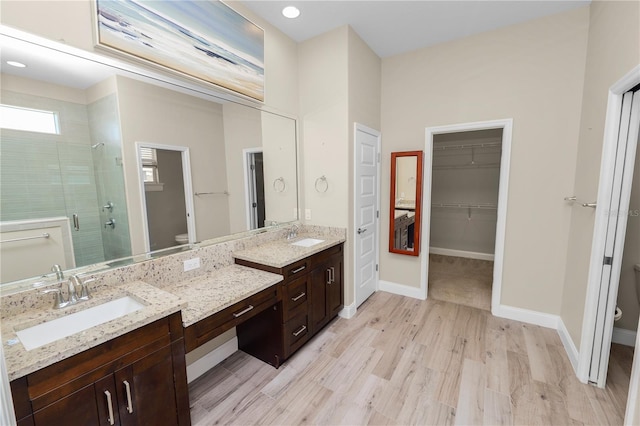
(525, 315)
(348, 312)
(210, 360)
(623, 336)
(569, 347)
(402, 290)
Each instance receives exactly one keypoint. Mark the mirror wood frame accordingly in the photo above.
(418, 202)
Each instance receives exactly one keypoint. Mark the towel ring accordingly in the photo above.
(319, 184)
(279, 185)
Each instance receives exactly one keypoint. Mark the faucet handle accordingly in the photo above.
(84, 293)
(58, 301)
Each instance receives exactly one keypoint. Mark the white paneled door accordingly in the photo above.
(367, 208)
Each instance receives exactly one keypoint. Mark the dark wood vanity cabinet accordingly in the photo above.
(136, 379)
(311, 295)
(326, 292)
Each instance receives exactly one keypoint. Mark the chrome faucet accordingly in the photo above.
(71, 287)
(59, 274)
(293, 232)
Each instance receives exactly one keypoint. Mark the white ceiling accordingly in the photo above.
(392, 27)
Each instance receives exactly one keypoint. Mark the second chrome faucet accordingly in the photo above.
(73, 284)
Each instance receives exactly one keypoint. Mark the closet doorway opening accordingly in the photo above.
(464, 205)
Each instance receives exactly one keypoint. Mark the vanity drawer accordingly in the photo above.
(296, 333)
(216, 324)
(296, 269)
(295, 294)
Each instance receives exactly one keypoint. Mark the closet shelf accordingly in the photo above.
(467, 146)
(467, 166)
(465, 205)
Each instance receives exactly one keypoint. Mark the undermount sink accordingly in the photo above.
(307, 242)
(59, 328)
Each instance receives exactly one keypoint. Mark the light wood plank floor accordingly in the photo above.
(404, 361)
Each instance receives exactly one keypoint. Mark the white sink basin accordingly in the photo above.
(50, 331)
(307, 242)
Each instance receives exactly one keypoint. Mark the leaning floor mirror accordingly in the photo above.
(406, 195)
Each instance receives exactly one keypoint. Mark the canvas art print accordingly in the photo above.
(205, 39)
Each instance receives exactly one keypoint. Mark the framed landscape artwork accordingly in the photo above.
(205, 39)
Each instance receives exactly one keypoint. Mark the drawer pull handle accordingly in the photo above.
(242, 312)
(127, 388)
(302, 329)
(298, 297)
(109, 407)
(295, 271)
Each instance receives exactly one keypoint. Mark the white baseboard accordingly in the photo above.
(348, 311)
(401, 290)
(210, 360)
(525, 315)
(569, 346)
(623, 336)
(461, 253)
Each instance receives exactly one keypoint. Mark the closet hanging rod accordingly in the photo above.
(467, 146)
(197, 194)
(35, 237)
(467, 166)
(465, 206)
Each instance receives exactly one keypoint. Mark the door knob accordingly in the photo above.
(361, 230)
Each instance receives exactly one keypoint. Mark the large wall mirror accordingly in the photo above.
(406, 201)
(109, 179)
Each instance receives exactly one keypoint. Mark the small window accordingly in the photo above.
(149, 165)
(30, 120)
(150, 170)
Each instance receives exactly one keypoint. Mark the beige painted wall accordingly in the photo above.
(172, 118)
(279, 154)
(364, 108)
(533, 73)
(614, 49)
(339, 86)
(242, 129)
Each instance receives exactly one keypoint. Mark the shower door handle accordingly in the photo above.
(76, 222)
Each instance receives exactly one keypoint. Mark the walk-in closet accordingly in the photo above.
(464, 201)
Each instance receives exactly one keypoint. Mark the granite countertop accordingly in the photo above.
(211, 293)
(20, 362)
(281, 253)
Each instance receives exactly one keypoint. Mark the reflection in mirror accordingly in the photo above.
(406, 194)
(81, 184)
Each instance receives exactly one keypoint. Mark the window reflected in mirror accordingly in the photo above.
(405, 197)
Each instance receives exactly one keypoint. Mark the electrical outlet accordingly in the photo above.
(307, 214)
(191, 264)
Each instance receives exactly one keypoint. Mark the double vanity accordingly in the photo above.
(119, 357)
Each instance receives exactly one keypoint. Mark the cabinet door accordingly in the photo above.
(319, 281)
(335, 292)
(87, 406)
(146, 392)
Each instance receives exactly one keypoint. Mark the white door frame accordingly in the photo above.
(188, 189)
(605, 192)
(360, 127)
(505, 164)
(246, 155)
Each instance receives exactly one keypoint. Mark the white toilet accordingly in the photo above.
(182, 238)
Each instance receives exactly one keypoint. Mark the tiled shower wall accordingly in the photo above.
(43, 175)
(104, 124)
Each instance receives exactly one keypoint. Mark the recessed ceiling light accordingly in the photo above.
(291, 12)
(16, 64)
